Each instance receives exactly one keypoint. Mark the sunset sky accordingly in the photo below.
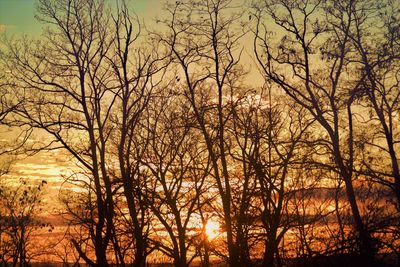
(18, 16)
(241, 132)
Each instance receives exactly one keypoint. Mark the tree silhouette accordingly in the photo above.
(320, 80)
(20, 206)
(179, 153)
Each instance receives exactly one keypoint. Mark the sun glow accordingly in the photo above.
(212, 229)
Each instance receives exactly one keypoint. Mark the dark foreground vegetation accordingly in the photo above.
(326, 261)
(255, 133)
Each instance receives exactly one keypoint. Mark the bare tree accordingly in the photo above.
(272, 140)
(20, 205)
(135, 69)
(87, 88)
(379, 74)
(165, 133)
(203, 41)
(312, 63)
(177, 168)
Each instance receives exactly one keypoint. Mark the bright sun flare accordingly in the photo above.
(212, 229)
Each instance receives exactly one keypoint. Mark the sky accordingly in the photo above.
(18, 16)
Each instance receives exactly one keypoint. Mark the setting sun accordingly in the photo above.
(212, 229)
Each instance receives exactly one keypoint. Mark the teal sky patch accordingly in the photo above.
(18, 16)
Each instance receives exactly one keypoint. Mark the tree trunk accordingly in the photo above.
(269, 253)
(366, 249)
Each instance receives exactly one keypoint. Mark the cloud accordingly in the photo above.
(3, 27)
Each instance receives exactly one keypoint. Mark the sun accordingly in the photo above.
(212, 229)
